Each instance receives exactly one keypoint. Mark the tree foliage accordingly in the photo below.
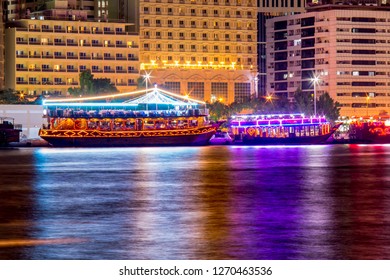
(327, 107)
(303, 102)
(10, 96)
(91, 86)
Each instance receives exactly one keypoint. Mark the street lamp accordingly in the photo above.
(315, 80)
(146, 79)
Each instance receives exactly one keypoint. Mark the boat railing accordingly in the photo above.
(70, 113)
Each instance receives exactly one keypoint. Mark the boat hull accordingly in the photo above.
(94, 138)
(9, 135)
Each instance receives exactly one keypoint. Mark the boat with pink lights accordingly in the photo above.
(281, 129)
(368, 130)
(153, 117)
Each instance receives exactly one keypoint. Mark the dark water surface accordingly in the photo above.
(215, 202)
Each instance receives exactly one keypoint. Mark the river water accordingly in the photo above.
(213, 202)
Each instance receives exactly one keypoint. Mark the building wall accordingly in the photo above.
(347, 49)
(1, 47)
(29, 116)
(46, 57)
(191, 36)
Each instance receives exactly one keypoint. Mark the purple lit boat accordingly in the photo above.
(153, 117)
(283, 129)
(369, 130)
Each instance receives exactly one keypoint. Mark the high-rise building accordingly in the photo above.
(269, 9)
(81, 9)
(344, 46)
(47, 56)
(202, 48)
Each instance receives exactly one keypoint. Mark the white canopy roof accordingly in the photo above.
(158, 97)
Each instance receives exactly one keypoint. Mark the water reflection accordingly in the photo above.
(16, 202)
(315, 202)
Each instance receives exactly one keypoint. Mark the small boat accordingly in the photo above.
(281, 129)
(9, 131)
(221, 138)
(154, 117)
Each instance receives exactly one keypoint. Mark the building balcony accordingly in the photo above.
(121, 71)
(109, 58)
(59, 43)
(34, 43)
(59, 30)
(133, 58)
(47, 29)
(47, 56)
(47, 69)
(97, 58)
(21, 82)
(34, 83)
(85, 31)
(97, 71)
(71, 70)
(21, 55)
(132, 71)
(59, 70)
(34, 69)
(22, 42)
(21, 69)
(72, 57)
(97, 45)
(60, 83)
(73, 83)
(85, 57)
(121, 46)
(109, 32)
(60, 57)
(121, 58)
(109, 71)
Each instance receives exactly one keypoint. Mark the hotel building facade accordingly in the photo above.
(47, 56)
(205, 49)
(346, 48)
(1, 49)
(202, 48)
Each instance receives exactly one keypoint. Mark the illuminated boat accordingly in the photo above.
(9, 132)
(286, 129)
(154, 117)
(370, 130)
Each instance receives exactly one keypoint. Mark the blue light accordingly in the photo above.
(90, 104)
